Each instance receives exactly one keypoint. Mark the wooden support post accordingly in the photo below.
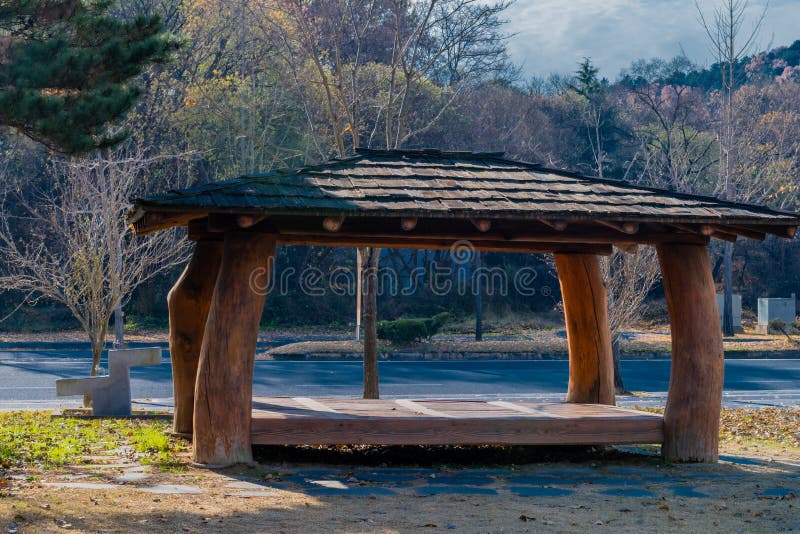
(694, 401)
(189, 301)
(591, 365)
(224, 389)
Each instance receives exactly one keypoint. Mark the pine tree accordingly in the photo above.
(66, 69)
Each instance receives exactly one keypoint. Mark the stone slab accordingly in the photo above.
(330, 484)
(778, 492)
(386, 478)
(537, 491)
(460, 481)
(245, 485)
(545, 480)
(628, 492)
(136, 476)
(360, 491)
(82, 485)
(454, 490)
(173, 489)
(252, 493)
(617, 481)
(687, 491)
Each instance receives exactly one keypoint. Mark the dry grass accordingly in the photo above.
(534, 341)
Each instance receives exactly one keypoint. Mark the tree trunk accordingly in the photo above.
(694, 400)
(591, 365)
(619, 385)
(478, 298)
(371, 260)
(727, 313)
(359, 292)
(189, 301)
(97, 355)
(224, 389)
(119, 326)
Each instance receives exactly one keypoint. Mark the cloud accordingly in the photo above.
(555, 35)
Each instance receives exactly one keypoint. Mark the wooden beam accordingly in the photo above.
(189, 301)
(758, 235)
(153, 221)
(408, 223)
(781, 231)
(483, 225)
(702, 229)
(787, 232)
(424, 243)
(589, 236)
(224, 388)
(591, 365)
(219, 223)
(629, 228)
(559, 225)
(725, 236)
(333, 224)
(694, 400)
(726, 232)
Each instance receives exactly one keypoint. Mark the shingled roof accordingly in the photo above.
(454, 185)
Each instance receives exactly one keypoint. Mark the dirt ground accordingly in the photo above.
(623, 492)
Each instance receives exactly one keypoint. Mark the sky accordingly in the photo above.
(555, 35)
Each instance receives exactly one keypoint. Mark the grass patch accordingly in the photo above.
(149, 439)
(36, 439)
(159, 448)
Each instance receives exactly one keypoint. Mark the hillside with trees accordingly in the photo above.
(260, 85)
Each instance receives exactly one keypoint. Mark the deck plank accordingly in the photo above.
(299, 421)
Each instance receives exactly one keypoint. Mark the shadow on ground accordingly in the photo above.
(450, 455)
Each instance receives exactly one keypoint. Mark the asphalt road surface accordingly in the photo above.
(27, 380)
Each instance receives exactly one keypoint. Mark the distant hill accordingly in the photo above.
(681, 71)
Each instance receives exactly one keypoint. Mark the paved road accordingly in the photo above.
(27, 380)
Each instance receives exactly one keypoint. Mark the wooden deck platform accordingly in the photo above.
(303, 420)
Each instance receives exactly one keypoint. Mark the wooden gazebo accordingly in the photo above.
(430, 199)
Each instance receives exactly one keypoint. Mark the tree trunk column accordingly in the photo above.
(694, 401)
(591, 366)
(371, 257)
(224, 389)
(189, 301)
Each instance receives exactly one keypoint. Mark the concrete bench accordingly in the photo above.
(111, 394)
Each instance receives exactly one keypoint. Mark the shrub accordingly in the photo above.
(402, 331)
(136, 323)
(777, 325)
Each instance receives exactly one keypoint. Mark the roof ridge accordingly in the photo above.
(468, 154)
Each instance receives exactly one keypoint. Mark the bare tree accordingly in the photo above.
(629, 279)
(362, 67)
(70, 242)
(668, 121)
(730, 43)
(768, 145)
